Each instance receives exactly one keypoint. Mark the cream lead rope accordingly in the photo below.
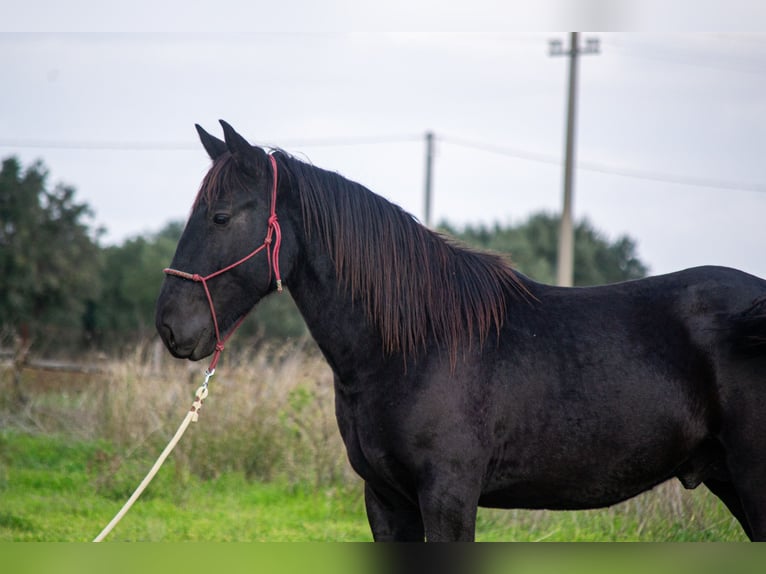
(191, 417)
(272, 255)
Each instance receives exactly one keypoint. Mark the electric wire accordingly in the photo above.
(486, 147)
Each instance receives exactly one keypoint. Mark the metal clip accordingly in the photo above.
(208, 375)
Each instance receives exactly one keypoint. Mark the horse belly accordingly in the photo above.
(555, 495)
(574, 487)
(572, 467)
(589, 429)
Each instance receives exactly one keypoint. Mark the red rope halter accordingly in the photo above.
(274, 231)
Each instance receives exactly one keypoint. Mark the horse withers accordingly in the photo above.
(459, 382)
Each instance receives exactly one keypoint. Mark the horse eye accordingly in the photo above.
(221, 218)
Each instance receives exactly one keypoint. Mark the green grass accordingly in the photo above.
(54, 488)
(51, 490)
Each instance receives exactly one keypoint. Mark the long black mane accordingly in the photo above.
(412, 281)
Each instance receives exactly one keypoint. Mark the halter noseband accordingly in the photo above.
(273, 259)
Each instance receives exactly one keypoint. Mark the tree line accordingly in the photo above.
(63, 292)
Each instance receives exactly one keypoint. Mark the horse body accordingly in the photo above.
(614, 412)
(527, 422)
(545, 398)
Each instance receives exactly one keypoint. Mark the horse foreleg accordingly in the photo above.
(392, 518)
(449, 513)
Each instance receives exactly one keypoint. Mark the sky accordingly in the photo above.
(671, 127)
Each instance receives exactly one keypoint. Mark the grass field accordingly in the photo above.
(265, 463)
(52, 489)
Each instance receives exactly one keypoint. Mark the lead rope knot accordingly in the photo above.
(199, 398)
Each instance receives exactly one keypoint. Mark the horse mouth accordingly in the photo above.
(201, 350)
(192, 349)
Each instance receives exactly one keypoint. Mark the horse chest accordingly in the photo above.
(371, 432)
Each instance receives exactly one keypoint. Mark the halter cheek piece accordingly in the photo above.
(274, 231)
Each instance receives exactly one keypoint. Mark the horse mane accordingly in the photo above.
(413, 282)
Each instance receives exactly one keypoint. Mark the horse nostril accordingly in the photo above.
(167, 335)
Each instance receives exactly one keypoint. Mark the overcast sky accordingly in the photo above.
(671, 138)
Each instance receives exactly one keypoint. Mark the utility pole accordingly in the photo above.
(565, 263)
(429, 178)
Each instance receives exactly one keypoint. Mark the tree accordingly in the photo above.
(48, 254)
(131, 279)
(533, 244)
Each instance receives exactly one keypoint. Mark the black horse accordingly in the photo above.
(461, 383)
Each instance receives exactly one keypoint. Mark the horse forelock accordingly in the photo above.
(413, 282)
(223, 177)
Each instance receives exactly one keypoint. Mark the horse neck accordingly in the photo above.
(371, 283)
(338, 324)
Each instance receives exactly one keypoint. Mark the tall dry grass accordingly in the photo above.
(269, 414)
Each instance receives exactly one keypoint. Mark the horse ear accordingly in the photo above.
(246, 156)
(214, 147)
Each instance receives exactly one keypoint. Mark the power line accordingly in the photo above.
(502, 150)
(668, 55)
(607, 168)
(353, 140)
(673, 178)
(187, 146)
(487, 147)
(97, 145)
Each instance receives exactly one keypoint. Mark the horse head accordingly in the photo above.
(228, 256)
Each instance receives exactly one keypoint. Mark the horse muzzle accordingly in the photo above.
(184, 337)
